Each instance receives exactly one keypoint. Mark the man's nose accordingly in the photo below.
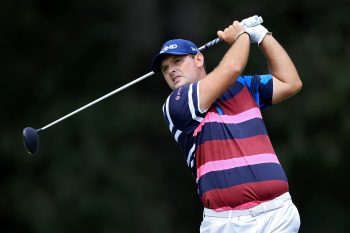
(171, 70)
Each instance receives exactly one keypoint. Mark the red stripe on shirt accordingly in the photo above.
(243, 101)
(243, 196)
(233, 148)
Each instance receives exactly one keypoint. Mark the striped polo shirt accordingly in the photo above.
(226, 147)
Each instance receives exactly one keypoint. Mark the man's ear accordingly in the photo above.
(199, 59)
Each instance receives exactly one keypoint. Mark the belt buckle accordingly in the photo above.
(251, 211)
(256, 210)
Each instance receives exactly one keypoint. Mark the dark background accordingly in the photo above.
(115, 166)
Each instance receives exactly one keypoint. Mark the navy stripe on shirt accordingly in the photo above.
(240, 175)
(245, 129)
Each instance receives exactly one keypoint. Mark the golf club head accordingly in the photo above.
(31, 140)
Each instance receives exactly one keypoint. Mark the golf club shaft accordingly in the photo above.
(207, 45)
(253, 21)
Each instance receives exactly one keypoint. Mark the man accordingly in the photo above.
(216, 120)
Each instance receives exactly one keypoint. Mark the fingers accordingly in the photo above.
(230, 33)
(220, 34)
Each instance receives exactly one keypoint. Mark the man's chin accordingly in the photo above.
(178, 85)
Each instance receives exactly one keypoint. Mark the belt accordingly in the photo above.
(276, 203)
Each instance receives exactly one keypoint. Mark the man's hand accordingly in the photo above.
(257, 33)
(231, 33)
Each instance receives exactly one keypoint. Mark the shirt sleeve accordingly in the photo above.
(181, 109)
(260, 87)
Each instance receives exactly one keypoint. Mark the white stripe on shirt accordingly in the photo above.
(191, 106)
(189, 155)
(171, 125)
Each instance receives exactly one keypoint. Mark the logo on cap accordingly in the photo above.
(174, 47)
(166, 48)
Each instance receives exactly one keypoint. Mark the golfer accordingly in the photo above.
(216, 119)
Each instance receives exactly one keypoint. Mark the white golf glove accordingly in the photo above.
(251, 21)
(257, 33)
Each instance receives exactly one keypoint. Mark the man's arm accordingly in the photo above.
(286, 81)
(230, 67)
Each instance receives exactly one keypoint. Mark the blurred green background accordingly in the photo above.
(115, 167)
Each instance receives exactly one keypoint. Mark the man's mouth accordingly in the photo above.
(176, 79)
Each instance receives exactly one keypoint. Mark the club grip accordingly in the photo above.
(249, 22)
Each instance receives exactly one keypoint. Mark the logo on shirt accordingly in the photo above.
(178, 94)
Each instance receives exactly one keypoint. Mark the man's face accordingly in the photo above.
(180, 70)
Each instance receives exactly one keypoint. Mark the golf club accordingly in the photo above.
(31, 135)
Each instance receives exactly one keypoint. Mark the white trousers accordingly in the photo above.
(275, 216)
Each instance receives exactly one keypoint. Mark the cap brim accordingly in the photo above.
(157, 60)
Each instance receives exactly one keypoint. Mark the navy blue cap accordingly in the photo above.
(173, 47)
